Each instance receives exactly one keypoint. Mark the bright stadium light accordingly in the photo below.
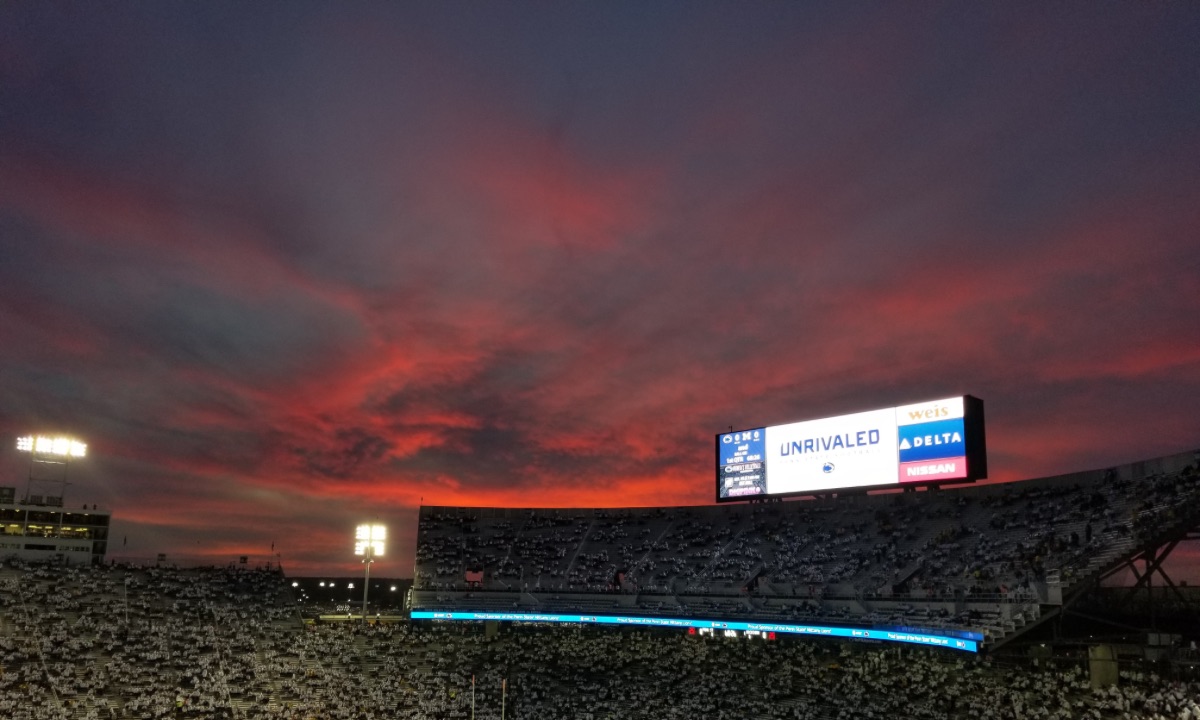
(369, 541)
(49, 465)
(47, 445)
(370, 537)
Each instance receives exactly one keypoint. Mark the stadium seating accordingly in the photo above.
(988, 558)
(118, 643)
(123, 643)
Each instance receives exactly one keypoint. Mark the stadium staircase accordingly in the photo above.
(1119, 550)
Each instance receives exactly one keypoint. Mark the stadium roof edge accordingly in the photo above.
(1171, 463)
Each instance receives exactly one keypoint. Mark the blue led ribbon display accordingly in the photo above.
(917, 638)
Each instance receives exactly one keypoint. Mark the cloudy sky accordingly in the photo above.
(287, 267)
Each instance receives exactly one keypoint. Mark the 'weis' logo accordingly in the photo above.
(937, 412)
(931, 411)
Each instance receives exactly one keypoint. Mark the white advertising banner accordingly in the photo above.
(847, 451)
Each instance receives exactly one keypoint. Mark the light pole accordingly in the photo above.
(48, 452)
(368, 542)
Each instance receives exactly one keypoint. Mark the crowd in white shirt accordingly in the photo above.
(108, 643)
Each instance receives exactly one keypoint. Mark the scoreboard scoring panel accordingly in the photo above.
(922, 443)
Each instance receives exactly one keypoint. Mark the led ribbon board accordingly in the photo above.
(923, 443)
(968, 642)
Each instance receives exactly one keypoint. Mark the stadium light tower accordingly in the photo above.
(368, 542)
(47, 452)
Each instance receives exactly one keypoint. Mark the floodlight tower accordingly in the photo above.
(368, 542)
(47, 452)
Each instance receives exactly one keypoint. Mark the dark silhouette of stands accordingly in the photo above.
(992, 558)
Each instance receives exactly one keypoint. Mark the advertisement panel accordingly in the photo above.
(847, 451)
(921, 443)
(967, 641)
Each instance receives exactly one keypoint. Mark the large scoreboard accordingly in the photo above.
(923, 443)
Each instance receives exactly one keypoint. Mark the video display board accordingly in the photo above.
(922, 443)
(965, 641)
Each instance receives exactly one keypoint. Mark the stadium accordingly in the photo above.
(945, 600)
(586, 360)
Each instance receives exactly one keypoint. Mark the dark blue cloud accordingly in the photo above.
(337, 259)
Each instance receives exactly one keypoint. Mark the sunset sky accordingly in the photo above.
(287, 267)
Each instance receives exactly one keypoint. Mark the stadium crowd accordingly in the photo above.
(836, 557)
(109, 643)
